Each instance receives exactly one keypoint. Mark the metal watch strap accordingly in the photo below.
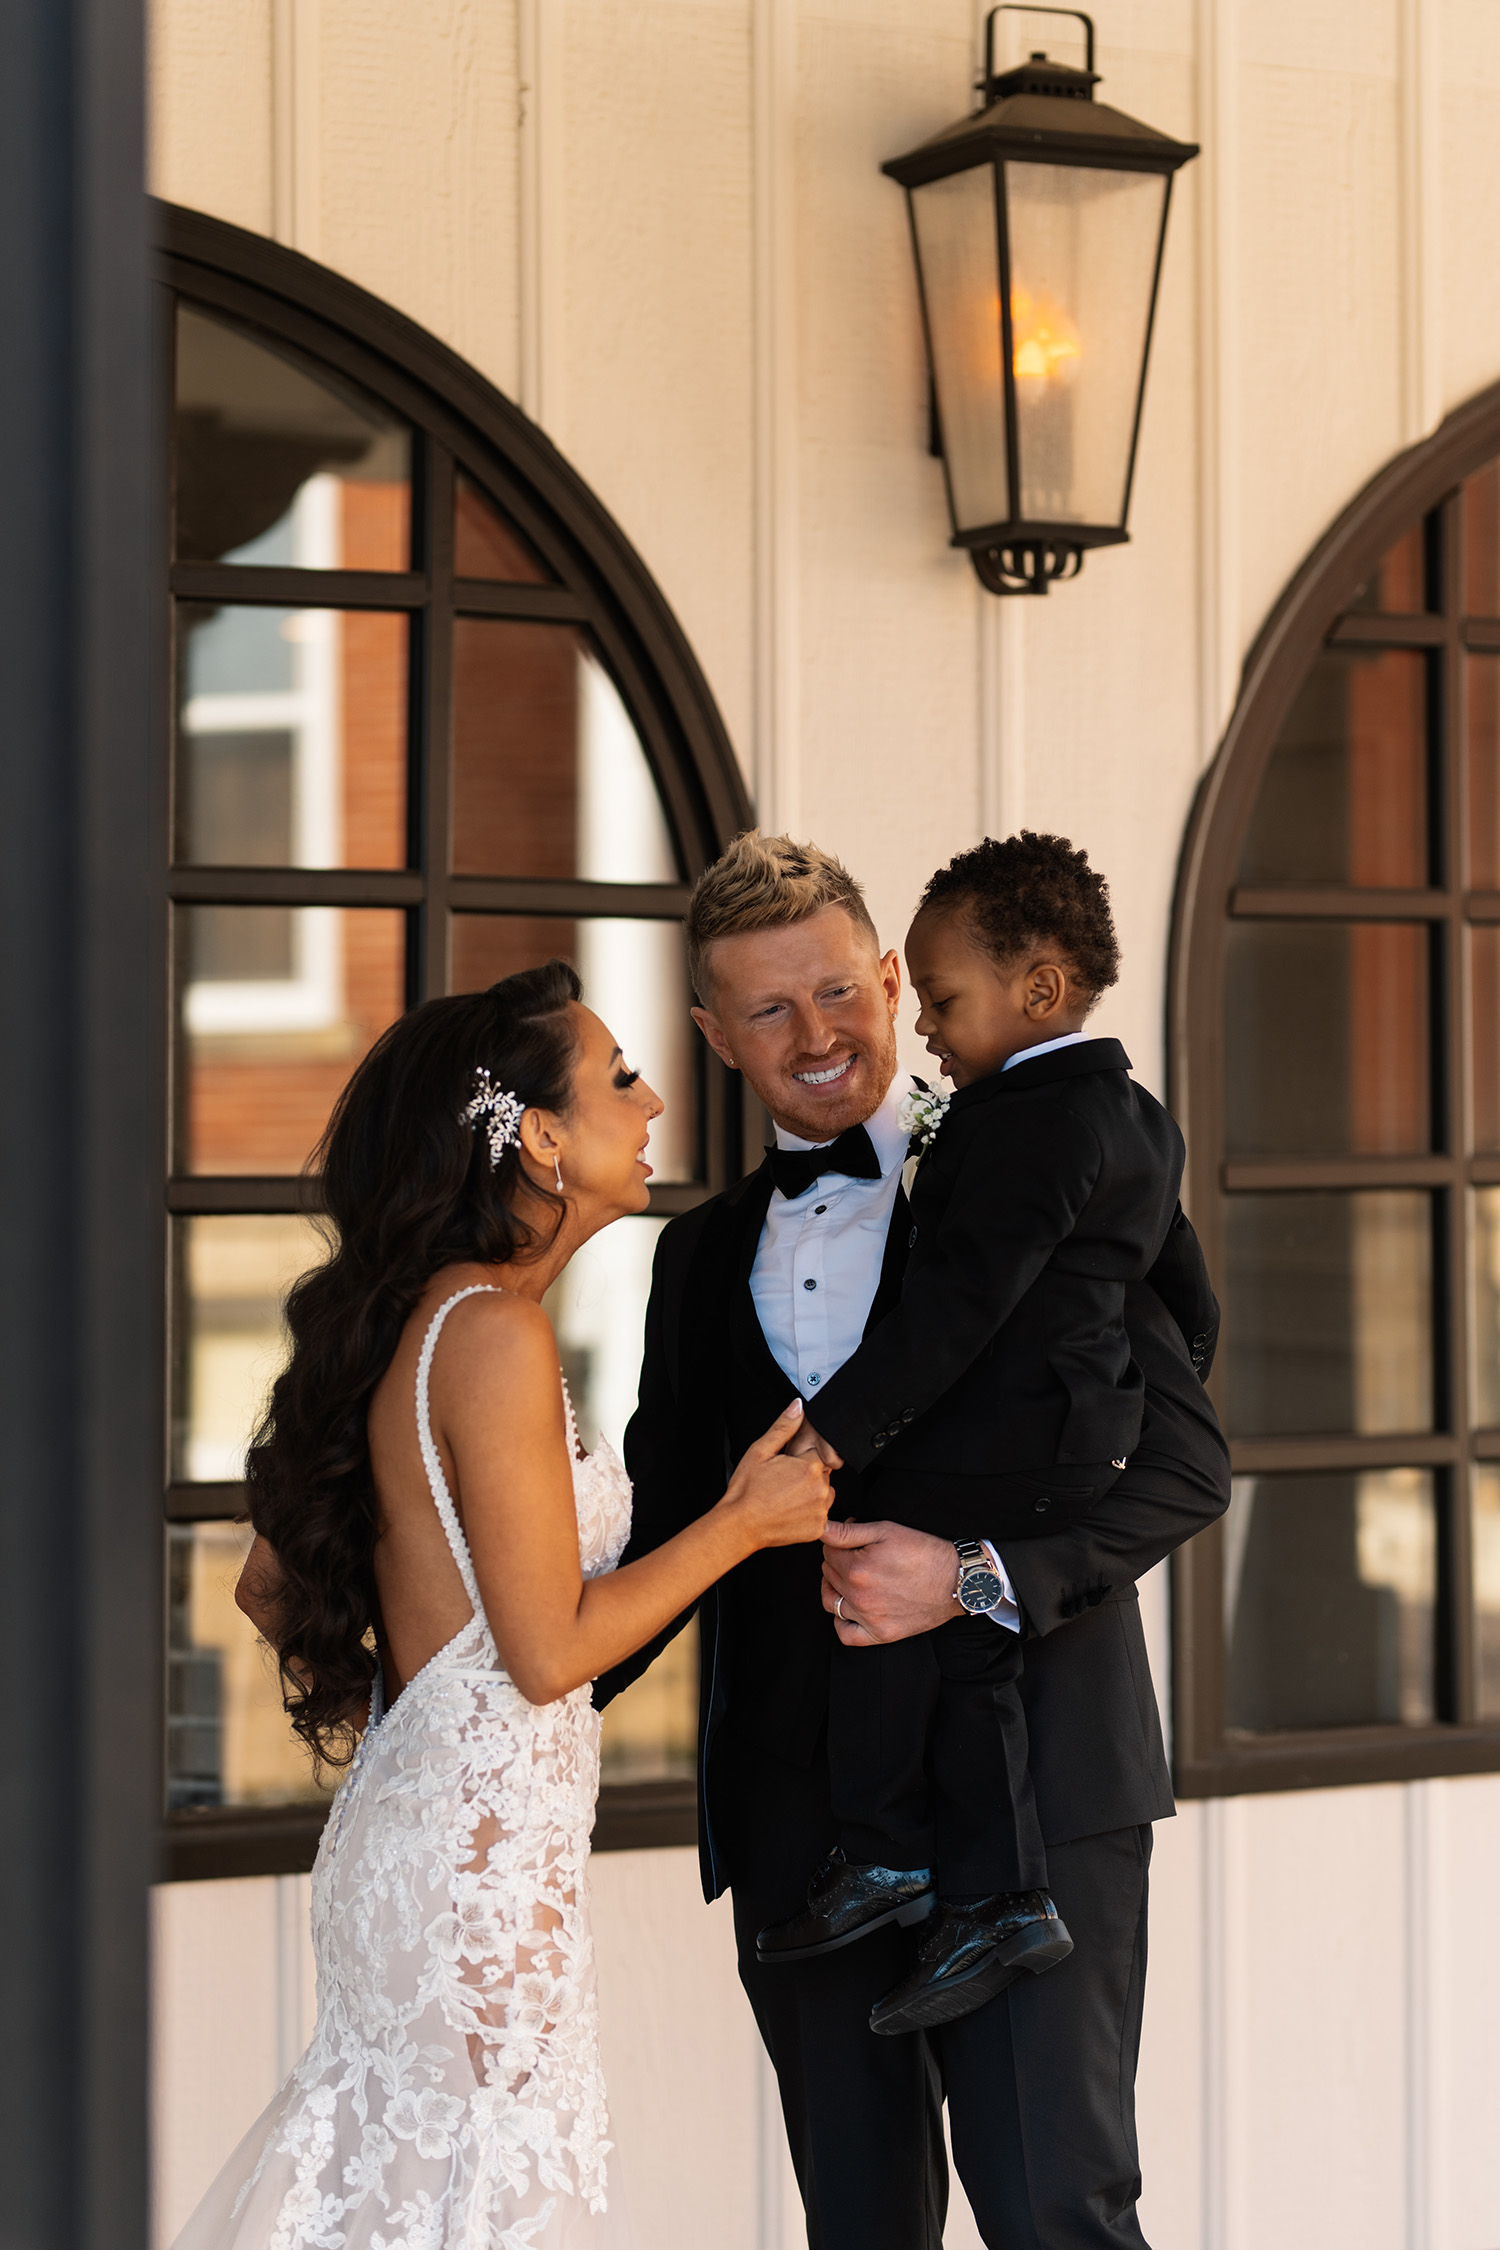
(971, 1556)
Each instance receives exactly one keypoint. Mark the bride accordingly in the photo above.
(434, 1563)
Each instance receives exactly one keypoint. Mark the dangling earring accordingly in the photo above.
(557, 1174)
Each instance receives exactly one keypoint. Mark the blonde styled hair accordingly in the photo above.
(766, 883)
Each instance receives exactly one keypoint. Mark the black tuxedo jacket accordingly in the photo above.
(709, 1385)
(1048, 1188)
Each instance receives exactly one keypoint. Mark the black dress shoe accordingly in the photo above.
(845, 1902)
(969, 1954)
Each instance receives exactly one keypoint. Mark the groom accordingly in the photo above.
(766, 1290)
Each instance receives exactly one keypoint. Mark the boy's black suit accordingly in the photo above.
(998, 1397)
(1039, 2084)
(1048, 1187)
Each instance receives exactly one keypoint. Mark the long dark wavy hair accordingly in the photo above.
(408, 1189)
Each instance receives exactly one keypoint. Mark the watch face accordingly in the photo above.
(979, 1590)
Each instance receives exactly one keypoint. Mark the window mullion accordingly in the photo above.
(434, 748)
(1455, 1612)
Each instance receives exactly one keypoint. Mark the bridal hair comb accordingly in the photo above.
(501, 1111)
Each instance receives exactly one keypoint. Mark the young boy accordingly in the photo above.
(997, 1398)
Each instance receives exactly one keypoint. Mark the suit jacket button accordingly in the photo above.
(1042, 1505)
(911, 1240)
(878, 1439)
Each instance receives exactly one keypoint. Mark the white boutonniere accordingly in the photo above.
(921, 1117)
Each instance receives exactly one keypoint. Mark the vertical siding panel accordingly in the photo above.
(216, 2031)
(1469, 192)
(776, 686)
(1323, 1922)
(1464, 1951)
(681, 2055)
(1169, 2103)
(416, 145)
(210, 108)
(659, 375)
(1319, 346)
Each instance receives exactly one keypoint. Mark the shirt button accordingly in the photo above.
(815, 1378)
(819, 1209)
(809, 1285)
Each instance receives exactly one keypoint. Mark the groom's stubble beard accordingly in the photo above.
(821, 1121)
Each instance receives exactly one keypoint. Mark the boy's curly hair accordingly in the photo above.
(1033, 890)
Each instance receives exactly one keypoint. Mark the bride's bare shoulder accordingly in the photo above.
(491, 1339)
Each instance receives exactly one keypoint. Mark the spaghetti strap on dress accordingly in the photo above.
(451, 2098)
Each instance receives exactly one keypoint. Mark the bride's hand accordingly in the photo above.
(781, 1501)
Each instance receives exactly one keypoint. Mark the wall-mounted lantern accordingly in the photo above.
(1038, 224)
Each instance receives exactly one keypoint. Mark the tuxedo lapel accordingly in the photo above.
(893, 1264)
(725, 1254)
(717, 1280)
(759, 1380)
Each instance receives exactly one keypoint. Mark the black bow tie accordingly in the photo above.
(794, 1169)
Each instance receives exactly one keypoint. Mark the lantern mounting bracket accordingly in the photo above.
(985, 86)
(1025, 566)
(1031, 558)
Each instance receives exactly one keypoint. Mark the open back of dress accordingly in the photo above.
(452, 2093)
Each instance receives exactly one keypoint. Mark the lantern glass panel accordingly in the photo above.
(1083, 249)
(959, 254)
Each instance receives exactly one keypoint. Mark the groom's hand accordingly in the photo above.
(893, 1582)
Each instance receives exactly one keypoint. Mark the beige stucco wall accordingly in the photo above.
(661, 226)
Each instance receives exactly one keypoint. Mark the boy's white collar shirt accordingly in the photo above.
(818, 1265)
(1048, 1047)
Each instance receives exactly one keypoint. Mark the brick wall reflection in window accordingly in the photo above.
(1344, 796)
(276, 1005)
(291, 734)
(549, 775)
(1347, 1071)
(1481, 542)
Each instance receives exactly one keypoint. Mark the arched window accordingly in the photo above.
(431, 721)
(1336, 1055)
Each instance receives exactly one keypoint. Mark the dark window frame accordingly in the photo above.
(460, 422)
(1314, 614)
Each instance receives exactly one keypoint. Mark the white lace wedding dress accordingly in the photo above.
(451, 2098)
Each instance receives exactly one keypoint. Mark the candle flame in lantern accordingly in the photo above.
(1046, 344)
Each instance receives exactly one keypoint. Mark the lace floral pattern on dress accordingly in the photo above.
(452, 2092)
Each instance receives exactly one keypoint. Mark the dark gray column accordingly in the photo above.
(80, 1126)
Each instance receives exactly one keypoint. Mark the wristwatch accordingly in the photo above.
(979, 1590)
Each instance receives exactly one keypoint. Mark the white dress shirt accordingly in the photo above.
(818, 1267)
